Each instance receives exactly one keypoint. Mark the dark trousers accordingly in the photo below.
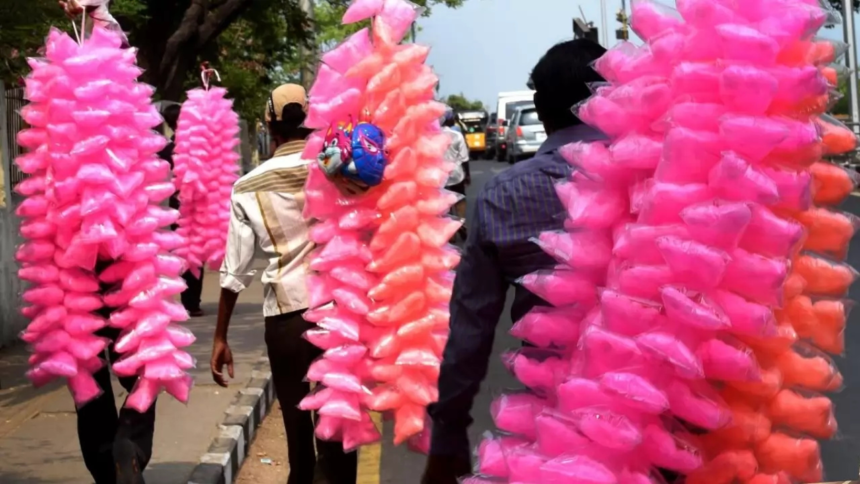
(290, 356)
(191, 296)
(99, 425)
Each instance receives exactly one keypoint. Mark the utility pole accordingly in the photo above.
(307, 55)
(851, 40)
(623, 33)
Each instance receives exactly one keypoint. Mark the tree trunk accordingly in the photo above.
(169, 63)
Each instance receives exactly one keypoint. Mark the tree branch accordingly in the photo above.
(220, 19)
(186, 32)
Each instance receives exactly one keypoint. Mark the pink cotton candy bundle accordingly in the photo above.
(205, 168)
(384, 264)
(95, 197)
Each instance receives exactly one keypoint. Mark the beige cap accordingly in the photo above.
(283, 95)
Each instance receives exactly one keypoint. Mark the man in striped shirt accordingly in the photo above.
(515, 206)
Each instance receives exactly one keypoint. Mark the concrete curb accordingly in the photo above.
(227, 452)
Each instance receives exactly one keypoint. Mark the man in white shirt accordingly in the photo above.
(458, 153)
(267, 215)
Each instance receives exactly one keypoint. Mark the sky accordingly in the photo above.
(489, 46)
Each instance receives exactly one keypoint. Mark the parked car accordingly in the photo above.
(492, 136)
(507, 104)
(525, 134)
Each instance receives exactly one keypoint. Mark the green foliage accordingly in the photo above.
(266, 43)
(458, 102)
(23, 28)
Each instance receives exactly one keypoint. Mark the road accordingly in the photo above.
(400, 466)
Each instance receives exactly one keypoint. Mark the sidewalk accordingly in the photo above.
(38, 435)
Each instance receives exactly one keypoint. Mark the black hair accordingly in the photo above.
(289, 127)
(171, 115)
(560, 81)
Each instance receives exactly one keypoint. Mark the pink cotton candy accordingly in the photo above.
(746, 318)
(664, 202)
(492, 459)
(516, 413)
(635, 392)
(605, 351)
(753, 137)
(717, 224)
(734, 179)
(693, 309)
(693, 264)
(668, 451)
(747, 89)
(561, 288)
(638, 242)
(688, 156)
(626, 315)
(545, 327)
(590, 205)
(665, 347)
(609, 429)
(793, 188)
(643, 281)
(725, 362)
(700, 406)
(579, 469)
(556, 435)
(587, 250)
(742, 43)
(771, 235)
(756, 277)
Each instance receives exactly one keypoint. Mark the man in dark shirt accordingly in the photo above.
(191, 296)
(515, 206)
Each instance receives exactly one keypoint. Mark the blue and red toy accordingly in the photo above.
(356, 152)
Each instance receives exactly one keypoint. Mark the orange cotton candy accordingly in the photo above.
(747, 426)
(772, 346)
(726, 468)
(824, 277)
(794, 285)
(780, 478)
(831, 183)
(812, 371)
(759, 391)
(809, 415)
(836, 138)
(827, 232)
(800, 458)
(822, 322)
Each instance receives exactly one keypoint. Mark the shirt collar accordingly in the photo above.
(289, 148)
(571, 134)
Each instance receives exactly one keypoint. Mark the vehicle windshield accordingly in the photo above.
(470, 126)
(511, 107)
(529, 117)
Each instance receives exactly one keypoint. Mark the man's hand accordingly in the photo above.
(443, 469)
(73, 8)
(221, 355)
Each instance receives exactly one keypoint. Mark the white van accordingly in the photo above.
(507, 104)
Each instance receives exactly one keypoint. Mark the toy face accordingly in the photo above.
(368, 153)
(337, 149)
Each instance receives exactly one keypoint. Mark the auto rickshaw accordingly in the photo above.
(473, 124)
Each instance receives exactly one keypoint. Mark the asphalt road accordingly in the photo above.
(841, 455)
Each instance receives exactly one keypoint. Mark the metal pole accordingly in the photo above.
(603, 24)
(307, 56)
(851, 38)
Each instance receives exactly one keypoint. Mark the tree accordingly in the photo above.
(458, 102)
(254, 44)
